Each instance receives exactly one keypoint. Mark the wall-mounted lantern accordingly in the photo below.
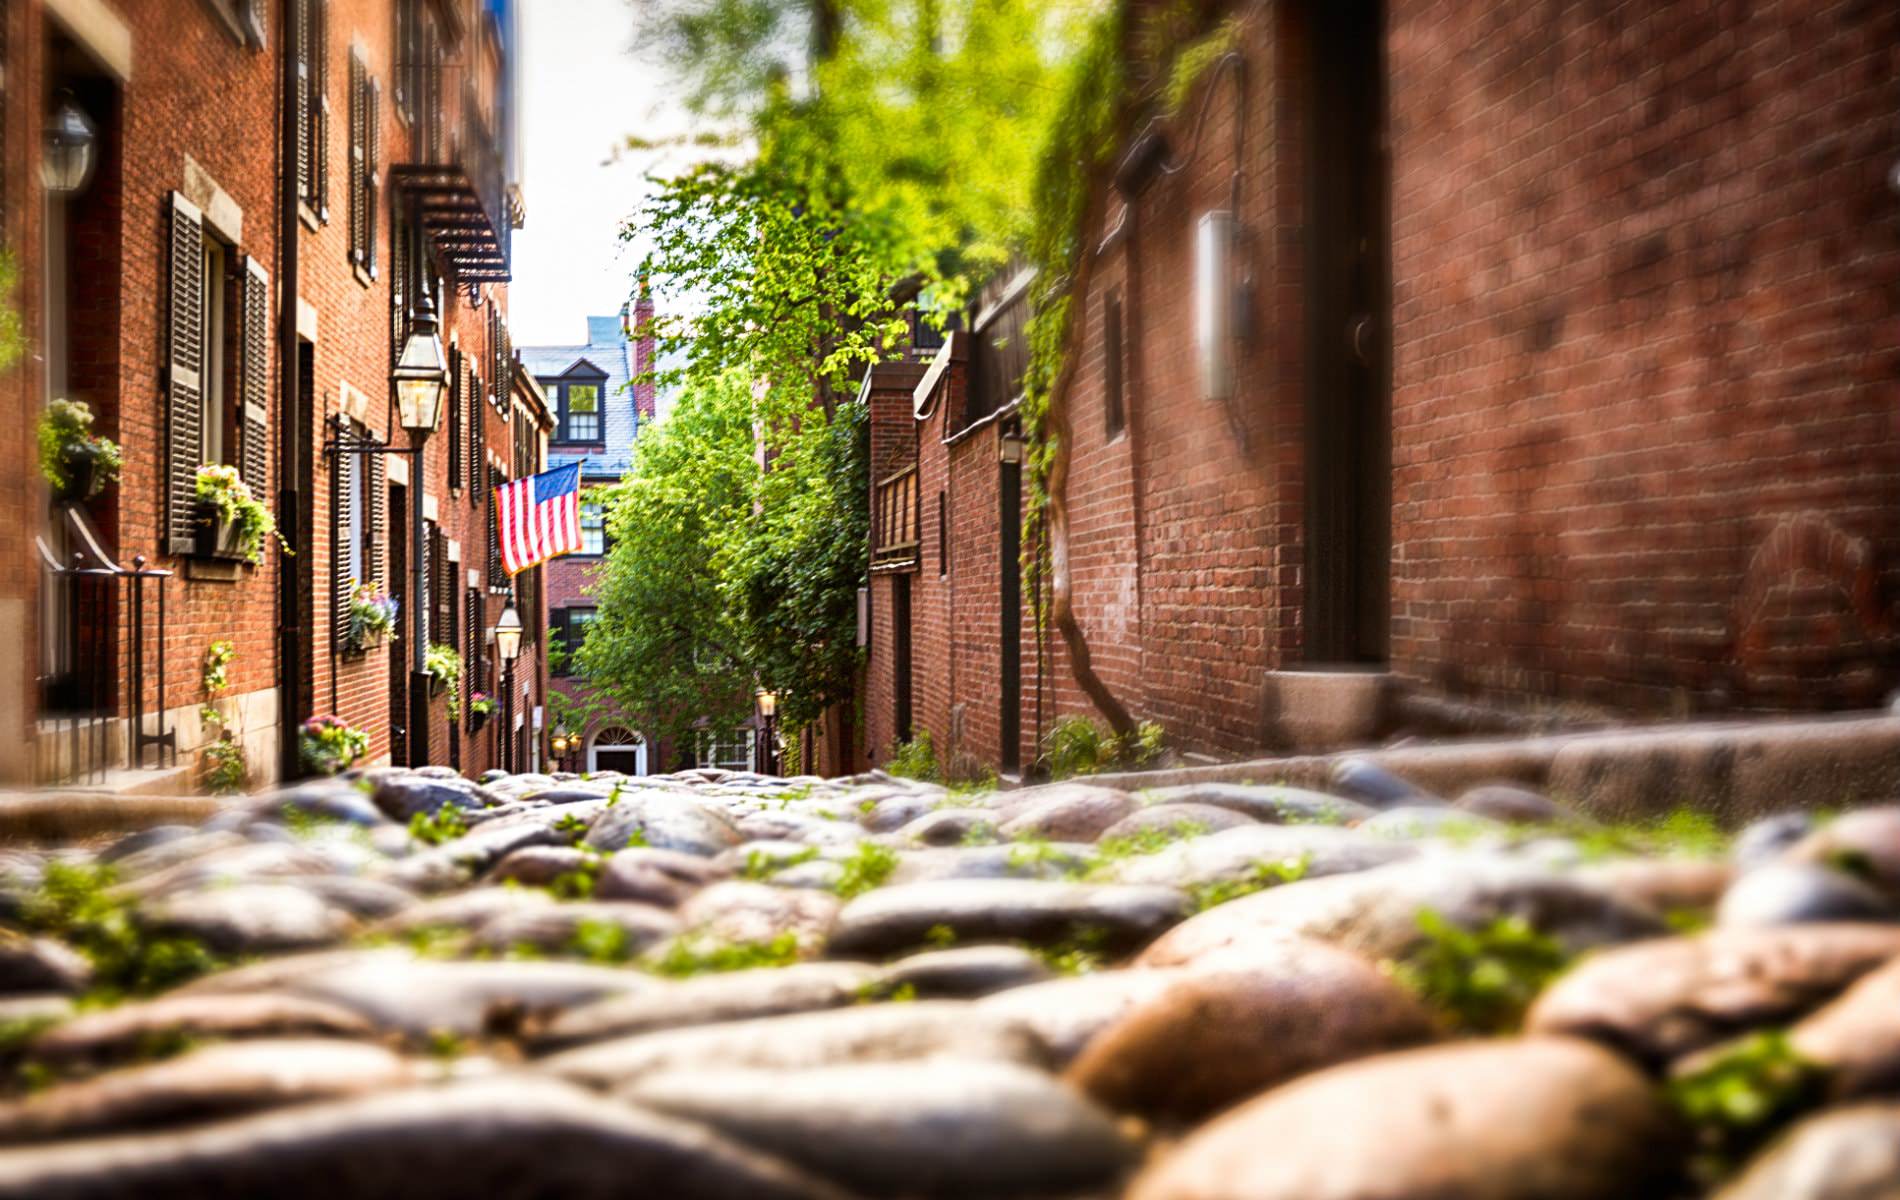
(67, 158)
(1215, 301)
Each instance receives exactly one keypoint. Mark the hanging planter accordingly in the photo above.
(75, 461)
(232, 523)
(372, 616)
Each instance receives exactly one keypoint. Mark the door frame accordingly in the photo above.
(1347, 504)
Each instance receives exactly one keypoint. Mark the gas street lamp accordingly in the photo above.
(507, 646)
(419, 379)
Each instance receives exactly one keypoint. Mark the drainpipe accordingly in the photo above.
(290, 447)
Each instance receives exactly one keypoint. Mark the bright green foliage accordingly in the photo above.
(76, 904)
(1082, 952)
(868, 867)
(1151, 840)
(446, 1044)
(941, 936)
(1481, 979)
(1680, 833)
(1203, 896)
(760, 866)
(572, 826)
(785, 247)
(444, 825)
(666, 644)
(601, 942)
(1737, 1097)
(12, 332)
(1076, 745)
(915, 759)
(682, 959)
(578, 884)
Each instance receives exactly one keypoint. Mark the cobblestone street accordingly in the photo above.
(727, 985)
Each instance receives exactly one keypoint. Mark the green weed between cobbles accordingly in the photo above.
(75, 903)
(760, 866)
(682, 959)
(1679, 833)
(1738, 1097)
(445, 824)
(868, 867)
(1203, 896)
(1480, 980)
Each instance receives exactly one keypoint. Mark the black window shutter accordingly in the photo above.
(477, 436)
(306, 161)
(441, 599)
(373, 177)
(375, 535)
(342, 501)
(320, 105)
(359, 161)
(398, 287)
(455, 419)
(497, 573)
(472, 637)
(254, 434)
(184, 413)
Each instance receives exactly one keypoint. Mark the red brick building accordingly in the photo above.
(1542, 358)
(276, 185)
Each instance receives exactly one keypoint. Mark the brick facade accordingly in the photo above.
(195, 109)
(1643, 333)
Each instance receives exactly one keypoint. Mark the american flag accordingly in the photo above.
(539, 517)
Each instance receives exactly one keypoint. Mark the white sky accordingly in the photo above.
(582, 90)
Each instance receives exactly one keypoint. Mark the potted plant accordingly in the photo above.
(232, 523)
(328, 745)
(372, 615)
(76, 461)
(480, 705)
(443, 666)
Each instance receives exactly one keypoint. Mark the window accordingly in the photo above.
(218, 433)
(570, 628)
(217, 367)
(366, 106)
(593, 529)
(732, 751)
(497, 573)
(1114, 403)
(580, 412)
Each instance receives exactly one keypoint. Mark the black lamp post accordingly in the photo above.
(768, 736)
(420, 378)
(507, 646)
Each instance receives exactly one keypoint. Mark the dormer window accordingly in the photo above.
(579, 398)
(580, 412)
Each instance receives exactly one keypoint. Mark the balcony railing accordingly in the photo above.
(894, 543)
(460, 195)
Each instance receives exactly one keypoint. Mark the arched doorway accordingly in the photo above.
(617, 749)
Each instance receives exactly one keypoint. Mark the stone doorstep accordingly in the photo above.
(1322, 708)
(126, 801)
(1734, 768)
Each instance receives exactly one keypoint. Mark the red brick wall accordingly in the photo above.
(956, 626)
(1645, 332)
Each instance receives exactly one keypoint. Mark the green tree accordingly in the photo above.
(890, 151)
(665, 645)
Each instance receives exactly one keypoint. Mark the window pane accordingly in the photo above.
(583, 412)
(593, 529)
